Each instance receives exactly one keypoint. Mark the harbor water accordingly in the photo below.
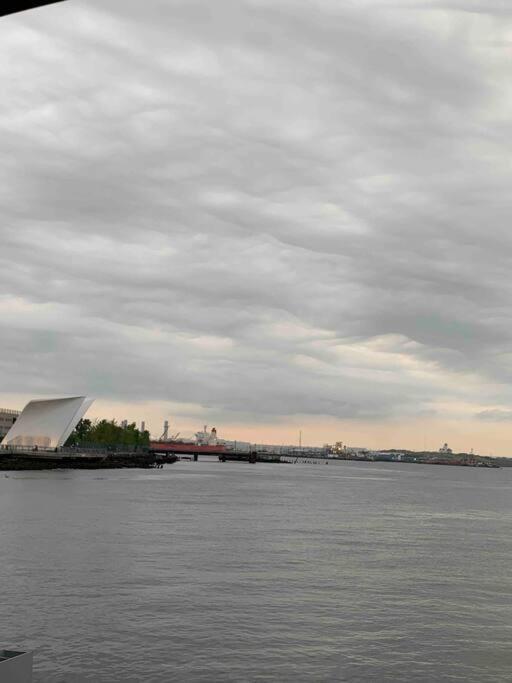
(234, 572)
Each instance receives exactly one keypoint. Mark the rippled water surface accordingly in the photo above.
(235, 572)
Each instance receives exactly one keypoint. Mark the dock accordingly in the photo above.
(30, 459)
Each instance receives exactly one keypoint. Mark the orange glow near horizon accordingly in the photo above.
(462, 435)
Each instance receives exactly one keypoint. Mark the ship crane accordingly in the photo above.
(165, 435)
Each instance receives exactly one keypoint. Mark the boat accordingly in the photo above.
(15, 666)
(205, 443)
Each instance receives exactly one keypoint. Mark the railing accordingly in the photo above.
(74, 450)
(36, 449)
(97, 447)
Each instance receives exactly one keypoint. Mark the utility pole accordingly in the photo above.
(300, 439)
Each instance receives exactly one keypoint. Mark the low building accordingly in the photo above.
(7, 419)
(356, 450)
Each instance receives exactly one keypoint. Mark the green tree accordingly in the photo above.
(81, 433)
(107, 433)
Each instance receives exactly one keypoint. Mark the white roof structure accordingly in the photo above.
(47, 424)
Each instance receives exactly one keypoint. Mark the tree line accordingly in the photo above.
(107, 433)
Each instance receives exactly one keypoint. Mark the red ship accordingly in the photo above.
(205, 444)
(188, 447)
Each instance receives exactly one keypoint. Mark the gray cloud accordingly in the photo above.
(494, 415)
(262, 208)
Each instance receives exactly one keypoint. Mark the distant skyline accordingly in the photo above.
(264, 216)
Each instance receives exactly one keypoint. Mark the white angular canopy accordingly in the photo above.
(47, 424)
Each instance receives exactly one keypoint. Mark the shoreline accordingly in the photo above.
(11, 462)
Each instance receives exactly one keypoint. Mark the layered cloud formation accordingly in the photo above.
(259, 209)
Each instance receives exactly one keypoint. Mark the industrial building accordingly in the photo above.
(7, 419)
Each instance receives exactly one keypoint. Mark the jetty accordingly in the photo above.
(72, 459)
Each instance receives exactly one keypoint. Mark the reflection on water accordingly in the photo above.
(235, 572)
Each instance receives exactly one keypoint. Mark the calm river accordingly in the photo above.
(236, 572)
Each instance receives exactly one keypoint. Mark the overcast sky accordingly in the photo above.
(262, 214)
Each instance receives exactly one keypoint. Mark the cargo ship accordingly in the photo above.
(205, 443)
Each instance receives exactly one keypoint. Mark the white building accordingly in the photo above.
(46, 424)
(356, 450)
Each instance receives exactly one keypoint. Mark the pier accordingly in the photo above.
(12, 459)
